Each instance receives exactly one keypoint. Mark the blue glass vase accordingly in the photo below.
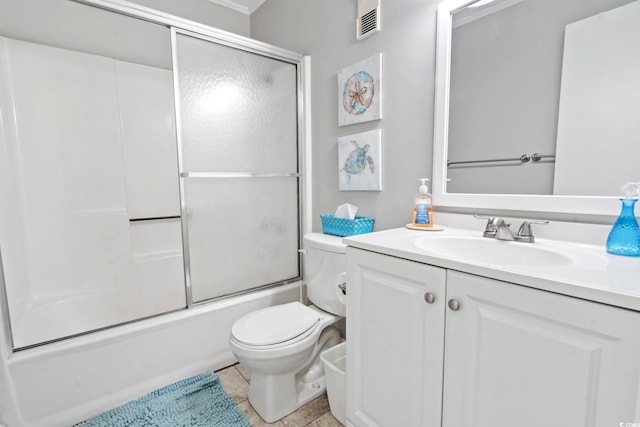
(624, 238)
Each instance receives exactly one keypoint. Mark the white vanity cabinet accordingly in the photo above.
(517, 356)
(513, 355)
(395, 341)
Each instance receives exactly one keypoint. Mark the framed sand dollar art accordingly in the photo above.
(360, 91)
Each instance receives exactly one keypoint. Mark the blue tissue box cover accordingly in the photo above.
(344, 227)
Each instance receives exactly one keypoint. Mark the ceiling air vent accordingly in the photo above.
(368, 22)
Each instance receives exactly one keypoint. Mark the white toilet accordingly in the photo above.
(281, 345)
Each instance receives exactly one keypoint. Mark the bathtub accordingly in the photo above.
(66, 382)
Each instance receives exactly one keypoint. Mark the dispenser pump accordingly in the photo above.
(423, 189)
(630, 190)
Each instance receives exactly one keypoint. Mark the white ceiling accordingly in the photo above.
(244, 6)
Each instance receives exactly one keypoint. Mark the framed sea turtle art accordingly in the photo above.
(360, 161)
(360, 91)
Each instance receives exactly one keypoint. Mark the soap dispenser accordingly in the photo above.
(624, 238)
(422, 210)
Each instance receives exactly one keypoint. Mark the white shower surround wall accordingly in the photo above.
(80, 161)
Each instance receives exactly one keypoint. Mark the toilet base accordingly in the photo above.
(275, 396)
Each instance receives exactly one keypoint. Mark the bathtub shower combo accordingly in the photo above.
(151, 180)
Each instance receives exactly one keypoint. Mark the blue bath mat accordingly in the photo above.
(198, 401)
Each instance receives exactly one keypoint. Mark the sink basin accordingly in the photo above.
(491, 251)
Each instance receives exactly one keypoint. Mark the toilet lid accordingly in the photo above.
(275, 324)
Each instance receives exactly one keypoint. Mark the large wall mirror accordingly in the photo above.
(537, 104)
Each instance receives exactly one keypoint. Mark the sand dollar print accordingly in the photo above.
(358, 93)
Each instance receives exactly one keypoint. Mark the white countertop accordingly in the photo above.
(592, 274)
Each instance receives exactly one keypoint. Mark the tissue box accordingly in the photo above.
(344, 227)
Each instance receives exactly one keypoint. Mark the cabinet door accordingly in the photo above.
(516, 356)
(395, 341)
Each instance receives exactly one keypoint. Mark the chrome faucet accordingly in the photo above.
(498, 228)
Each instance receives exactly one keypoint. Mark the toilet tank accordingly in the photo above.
(325, 264)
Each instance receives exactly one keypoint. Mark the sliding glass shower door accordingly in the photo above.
(137, 157)
(239, 167)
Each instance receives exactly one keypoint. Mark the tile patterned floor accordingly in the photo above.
(235, 381)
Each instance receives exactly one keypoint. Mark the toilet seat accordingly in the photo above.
(275, 326)
(278, 346)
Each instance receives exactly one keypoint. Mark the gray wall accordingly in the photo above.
(325, 30)
(75, 26)
(505, 84)
(203, 11)
(505, 80)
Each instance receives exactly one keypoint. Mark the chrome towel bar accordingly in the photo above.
(535, 157)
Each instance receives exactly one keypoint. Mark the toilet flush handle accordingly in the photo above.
(343, 287)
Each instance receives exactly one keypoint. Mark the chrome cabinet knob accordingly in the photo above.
(454, 305)
(429, 298)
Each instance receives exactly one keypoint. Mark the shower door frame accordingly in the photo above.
(175, 32)
(182, 26)
(187, 27)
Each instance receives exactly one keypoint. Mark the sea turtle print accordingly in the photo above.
(357, 161)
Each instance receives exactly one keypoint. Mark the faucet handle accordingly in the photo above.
(524, 232)
(493, 223)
